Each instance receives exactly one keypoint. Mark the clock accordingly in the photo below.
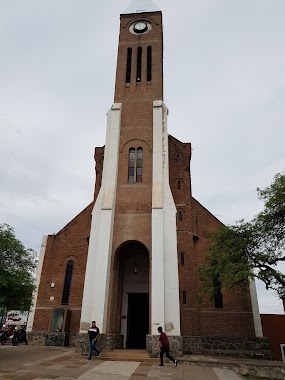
(140, 27)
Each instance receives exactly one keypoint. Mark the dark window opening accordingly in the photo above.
(182, 258)
(177, 158)
(135, 165)
(180, 216)
(139, 64)
(184, 297)
(132, 159)
(67, 283)
(179, 185)
(218, 296)
(149, 63)
(129, 65)
(139, 164)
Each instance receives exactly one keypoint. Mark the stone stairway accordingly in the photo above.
(126, 354)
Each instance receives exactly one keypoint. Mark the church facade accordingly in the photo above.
(129, 259)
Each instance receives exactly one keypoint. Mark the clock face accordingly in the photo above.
(140, 27)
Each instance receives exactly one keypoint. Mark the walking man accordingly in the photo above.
(93, 333)
(163, 343)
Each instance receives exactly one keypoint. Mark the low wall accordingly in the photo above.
(176, 345)
(106, 342)
(48, 339)
(37, 338)
(256, 348)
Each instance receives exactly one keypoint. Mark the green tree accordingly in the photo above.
(250, 249)
(17, 265)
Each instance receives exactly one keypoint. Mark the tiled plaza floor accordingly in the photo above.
(53, 363)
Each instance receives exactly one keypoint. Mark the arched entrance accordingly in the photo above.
(133, 293)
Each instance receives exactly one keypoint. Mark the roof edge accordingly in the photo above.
(141, 6)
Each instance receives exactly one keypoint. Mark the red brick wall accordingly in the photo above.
(71, 243)
(235, 319)
(273, 326)
(127, 93)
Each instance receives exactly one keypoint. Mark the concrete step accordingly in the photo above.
(125, 354)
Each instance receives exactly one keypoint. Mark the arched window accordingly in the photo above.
(135, 165)
(129, 65)
(184, 297)
(149, 63)
(219, 304)
(180, 216)
(67, 283)
(179, 185)
(182, 258)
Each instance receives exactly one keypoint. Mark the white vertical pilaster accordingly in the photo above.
(165, 282)
(38, 277)
(171, 276)
(157, 268)
(255, 309)
(97, 276)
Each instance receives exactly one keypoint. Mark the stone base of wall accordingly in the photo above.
(192, 345)
(106, 342)
(36, 338)
(58, 340)
(176, 345)
(256, 348)
(48, 339)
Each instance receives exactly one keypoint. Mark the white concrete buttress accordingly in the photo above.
(38, 277)
(97, 276)
(255, 309)
(165, 306)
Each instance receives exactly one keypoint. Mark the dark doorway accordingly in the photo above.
(138, 320)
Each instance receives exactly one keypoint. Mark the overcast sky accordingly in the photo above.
(224, 71)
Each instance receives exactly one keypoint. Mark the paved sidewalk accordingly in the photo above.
(55, 363)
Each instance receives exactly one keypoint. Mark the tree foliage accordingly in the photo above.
(17, 265)
(250, 249)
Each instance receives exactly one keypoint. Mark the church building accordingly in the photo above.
(129, 259)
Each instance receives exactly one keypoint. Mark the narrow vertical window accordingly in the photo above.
(67, 283)
(182, 258)
(218, 296)
(180, 216)
(135, 165)
(149, 63)
(139, 165)
(184, 297)
(139, 64)
(129, 65)
(132, 161)
(179, 185)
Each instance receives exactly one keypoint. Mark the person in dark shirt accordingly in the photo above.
(93, 333)
(163, 343)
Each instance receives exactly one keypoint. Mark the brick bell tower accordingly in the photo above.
(131, 284)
